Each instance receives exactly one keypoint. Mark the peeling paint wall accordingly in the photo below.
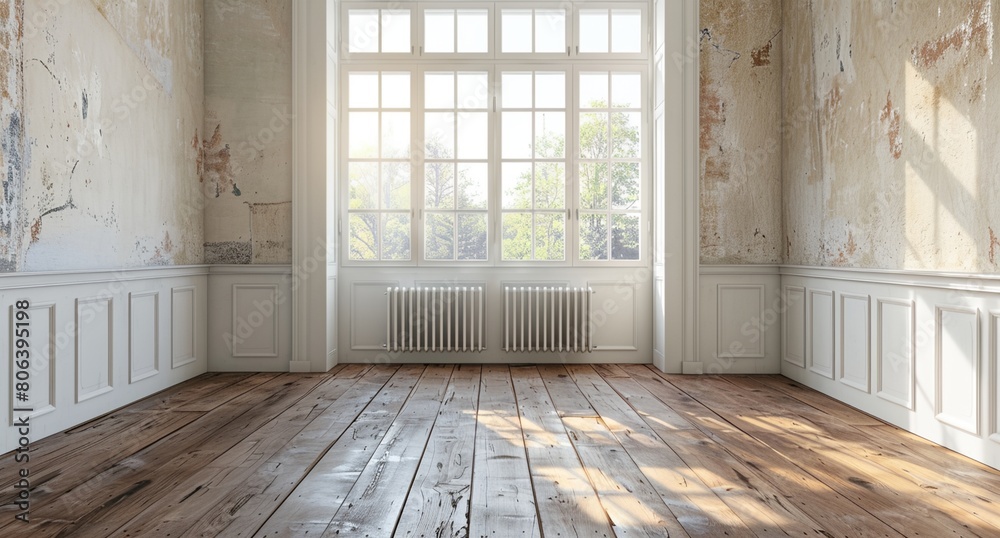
(891, 127)
(98, 98)
(740, 139)
(246, 142)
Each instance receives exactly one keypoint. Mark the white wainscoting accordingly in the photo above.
(250, 318)
(918, 350)
(741, 312)
(97, 340)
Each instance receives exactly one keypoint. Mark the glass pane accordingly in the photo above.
(625, 237)
(516, 90)
(473, 135)
(550, 135)
(626, 30)
(515, 179)
(439, 90)
(626, 90)
(439, 233)
(473, 182)
(439, 133)
(516, 24)
(473, 91)
(364, 236)
(362, 90)
(516, 236)
(593, 135)
(594, 182)
(362, 30)
(396, 236)
(550, 240)
(516, 143)
(396, 30)
(362, 134)
(395, 90)
(439, 30)
(593, 236)
(395, 185)
(395, 135)
(550, 90)
(593, 30)
(593, 90)
(363, 185)
(550, 185)
(625, 134)
(625, 186)
(550, 30)
(473, 30)
(439, 185)
(472, 236)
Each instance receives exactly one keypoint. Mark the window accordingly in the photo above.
(522, 146)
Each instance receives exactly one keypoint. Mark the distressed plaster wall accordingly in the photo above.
(246, 141)
(97, 100)
(740, 139)
(891, 127)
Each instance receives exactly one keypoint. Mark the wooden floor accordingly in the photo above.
(493, 451)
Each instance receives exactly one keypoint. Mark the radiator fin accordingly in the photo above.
(450, 318)
(547, 319)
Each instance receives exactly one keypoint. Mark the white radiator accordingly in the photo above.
(546, 319)
(436, 319)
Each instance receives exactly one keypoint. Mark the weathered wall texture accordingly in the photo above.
(890, 157)
(98, 102)
(246, 141)
(740, 140)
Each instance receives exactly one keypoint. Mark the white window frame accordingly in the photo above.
(456, 7)
(533, 6)
(644, 44)
(345, 31)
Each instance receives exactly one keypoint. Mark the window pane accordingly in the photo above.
(550, 134)
(362, 30)
(550, 240)
(473, 135)
(473, 182)
(396, 30)
(550, 90)
(593, 236)
(626, 90)
(363, 185)
(625, 237)
(395, 185)
(439, 90)
(593, 90)
(364, 236)
(625, 135)
(439, 132)
(517, 236)
(363, 134)
(593, 30)
(550, 185)
(625, 186)
(516, 90)
(594, 135)
(439, 185)
(516, 183)
(473, 30)
(626, 29)
(472, 236)
(594, 182)
(362, 90)
(395, 135)
(516, 24)
(439, 30)
(395, 236)
(473, 90)
(439, 233)
(395, 90)
(550, 30)
(516, 135)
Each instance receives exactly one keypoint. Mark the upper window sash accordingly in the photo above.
(454, 30)
(383, 30)
(533, 30)
(612, 30)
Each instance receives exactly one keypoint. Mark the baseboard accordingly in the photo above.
(299, 366)
(692, 367)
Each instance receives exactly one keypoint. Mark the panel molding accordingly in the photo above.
(882, 356)
(250, 321)
(813, 329)
(103, 342)
(994, 399)
(617, 288)
(355, 340)
(182, 327)
(970, 423)
(722, 325)
(865, 384)
(135, 374)
(792, 325)
(49, 405)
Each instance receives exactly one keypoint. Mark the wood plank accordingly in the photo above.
(698, 509)
(373, 506)
(609, 370)
(503, 502)
(565, 395)
(313, 502)
(438, 502)
(567, 503)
